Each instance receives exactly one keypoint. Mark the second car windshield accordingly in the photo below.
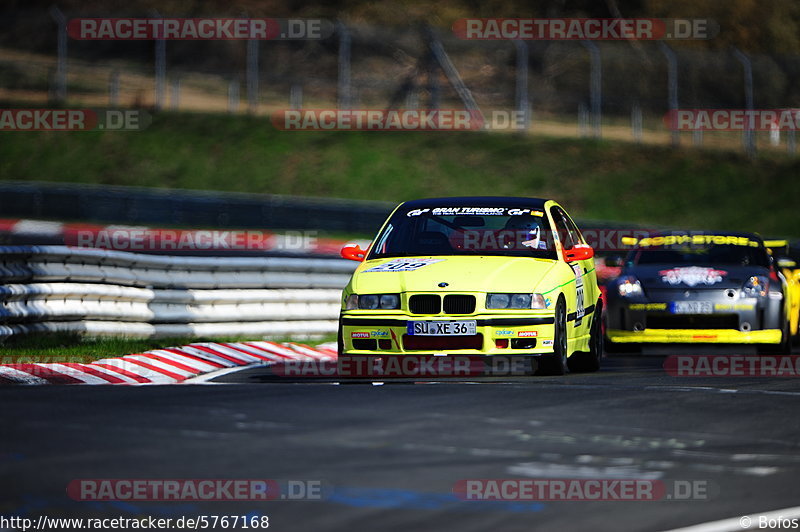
(481, 230)
(704, 254)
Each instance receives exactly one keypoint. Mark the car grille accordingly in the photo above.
(441, 343)
(459, 304)
(425, 304)
(693, 321)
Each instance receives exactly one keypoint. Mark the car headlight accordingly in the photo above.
(372, 302)
(629, 286)
(515, 301)
(757, 285)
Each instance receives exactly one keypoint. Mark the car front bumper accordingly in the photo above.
(694, 336)
(388, 334)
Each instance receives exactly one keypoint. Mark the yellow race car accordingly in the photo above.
(476, 276)
(789, 267)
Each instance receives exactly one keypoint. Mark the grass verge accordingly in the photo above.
(616, 181)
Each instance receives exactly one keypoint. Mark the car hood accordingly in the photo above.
(462, 274)
(661, 276)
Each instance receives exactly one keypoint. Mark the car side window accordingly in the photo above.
(561, 228)
(574, 232)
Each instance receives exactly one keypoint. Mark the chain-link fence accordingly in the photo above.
(620, 89)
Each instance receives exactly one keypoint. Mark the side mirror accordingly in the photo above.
(579, 252)
(353, 252)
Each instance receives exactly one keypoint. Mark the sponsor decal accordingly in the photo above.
(503, 332)
(648, 306)
(547, 343)
(359, 335)
(734, 306)
(380, 334)
(475, 211)
(527, 334)
(720, 240)
(692, 276)
(403, 265)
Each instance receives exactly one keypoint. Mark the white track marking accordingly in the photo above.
(737, 524)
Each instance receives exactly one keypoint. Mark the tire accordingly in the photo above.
(340, 339)
(556, 364)
(589, 361)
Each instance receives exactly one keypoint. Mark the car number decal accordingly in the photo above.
(403, 265)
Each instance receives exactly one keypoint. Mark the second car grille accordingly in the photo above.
(425, 304)
(459, 304)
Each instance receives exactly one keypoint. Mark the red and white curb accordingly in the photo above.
(169, 365)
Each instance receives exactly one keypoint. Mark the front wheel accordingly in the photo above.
(589, 361)
(556, 364)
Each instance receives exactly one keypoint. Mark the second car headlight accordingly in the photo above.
(373, 302)
(629, 285)
(515, 301)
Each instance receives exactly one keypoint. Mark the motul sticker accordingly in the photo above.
(692, 276)
(527, 334)
(359, 335)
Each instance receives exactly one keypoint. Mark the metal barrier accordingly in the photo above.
(99, 292)
(192, 208)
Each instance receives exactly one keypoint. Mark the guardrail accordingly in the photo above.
(100, 292)
(191, 208)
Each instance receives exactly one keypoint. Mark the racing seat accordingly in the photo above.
(432, 242)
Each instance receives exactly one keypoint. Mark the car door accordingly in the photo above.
(583, 270)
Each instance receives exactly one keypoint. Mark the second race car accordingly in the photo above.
(693, 287)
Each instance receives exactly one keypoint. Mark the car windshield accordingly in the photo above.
(458, 230)
(711, 250)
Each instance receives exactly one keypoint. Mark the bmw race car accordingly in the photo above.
(476, 276)
(692, 287)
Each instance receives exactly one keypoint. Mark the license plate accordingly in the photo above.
(442, 328)
(691, 307)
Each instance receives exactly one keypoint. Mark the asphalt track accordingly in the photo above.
(389, 455)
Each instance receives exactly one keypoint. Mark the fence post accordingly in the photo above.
(672, 87)
(697, 137)
(636, 123)
(595, 86)
(296, 96)
(113, 89)
(583, 120)
(343, 89)
(60, 92)
(233, 96)
(161, 67)
(252, 75)
(523, 108)
(175, 93)
(748, 138)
